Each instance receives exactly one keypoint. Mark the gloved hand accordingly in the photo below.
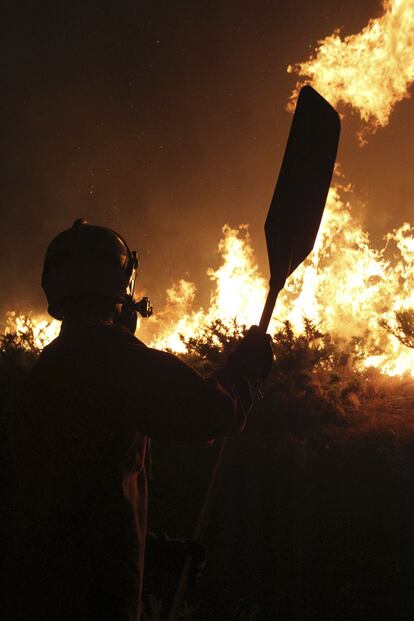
(253, 356)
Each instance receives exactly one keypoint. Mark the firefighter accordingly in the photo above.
(80, 434)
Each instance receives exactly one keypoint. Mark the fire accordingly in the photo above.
(372, 70)
(31, 330)
(344, 286)
(239, 293)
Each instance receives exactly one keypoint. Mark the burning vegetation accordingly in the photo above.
(347, 288)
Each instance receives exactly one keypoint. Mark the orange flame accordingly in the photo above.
(42, 330)
(371, 71)
(239, 293)
(344, 286)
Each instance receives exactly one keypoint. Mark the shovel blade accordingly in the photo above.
(302, 187)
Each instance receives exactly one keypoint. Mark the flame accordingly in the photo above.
(370, 71)
(237, 297)
(38, 330)
(238, 294)
(344, 287)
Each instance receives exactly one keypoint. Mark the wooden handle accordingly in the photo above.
(268, 309)
(198, 534)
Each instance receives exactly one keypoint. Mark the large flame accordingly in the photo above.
(344, 286)
(371, 70)
(238, 294)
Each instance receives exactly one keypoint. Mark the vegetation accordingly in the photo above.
(403, 329)
(314, 517)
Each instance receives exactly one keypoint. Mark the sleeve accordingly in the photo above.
(169, 400)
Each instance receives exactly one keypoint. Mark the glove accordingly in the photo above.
(253, 356)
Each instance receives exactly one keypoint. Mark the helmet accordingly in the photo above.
(86, 260)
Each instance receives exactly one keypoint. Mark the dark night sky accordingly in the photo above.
(165, 120)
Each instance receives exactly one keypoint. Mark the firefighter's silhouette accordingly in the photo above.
(80, 434)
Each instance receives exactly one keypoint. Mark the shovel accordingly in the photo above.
(291, 227)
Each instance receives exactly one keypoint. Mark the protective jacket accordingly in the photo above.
(79, 442)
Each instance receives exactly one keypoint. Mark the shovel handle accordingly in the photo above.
(268, 308)
(199, 532)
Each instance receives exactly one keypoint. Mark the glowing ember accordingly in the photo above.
(371, 70)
